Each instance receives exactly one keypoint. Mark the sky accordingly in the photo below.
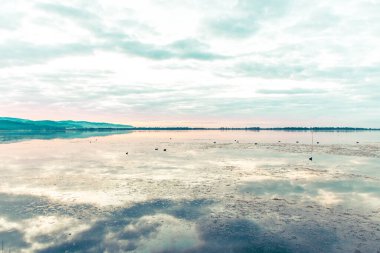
(233, 63)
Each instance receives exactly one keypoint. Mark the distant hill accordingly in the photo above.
(24, 124)
(49, 125)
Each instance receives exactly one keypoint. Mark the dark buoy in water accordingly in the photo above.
(297, 141)
(156, 149)
(357, 142)
(126, 153)
(312, 145)
(279, 141)
(164, 149)
(255, 143)
(214, 142)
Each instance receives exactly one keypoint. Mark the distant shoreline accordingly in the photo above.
(16, 124)
(288, 129)
(261, 128)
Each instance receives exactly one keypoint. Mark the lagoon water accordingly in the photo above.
(82, 192)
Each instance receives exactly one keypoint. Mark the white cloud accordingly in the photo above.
(191, 60)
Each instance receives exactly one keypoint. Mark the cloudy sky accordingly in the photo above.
(192, 62)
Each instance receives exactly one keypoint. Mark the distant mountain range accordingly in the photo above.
(45, 125)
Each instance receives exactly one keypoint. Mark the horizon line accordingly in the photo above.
(129, 127)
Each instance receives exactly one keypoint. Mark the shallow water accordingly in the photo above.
(87, 195)
(302, 137)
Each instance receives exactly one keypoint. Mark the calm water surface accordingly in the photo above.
(83, 193)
